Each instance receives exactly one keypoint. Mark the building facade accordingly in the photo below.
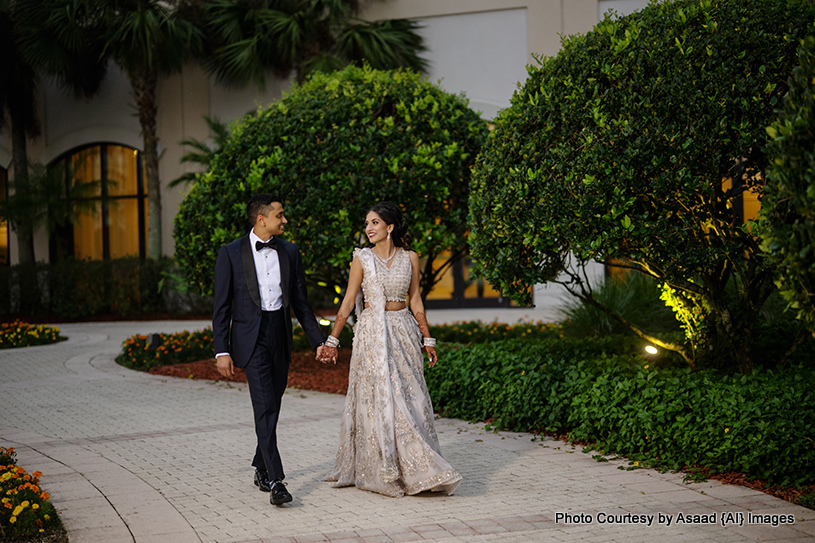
(477, 47)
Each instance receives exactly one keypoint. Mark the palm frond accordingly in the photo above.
(384, 45)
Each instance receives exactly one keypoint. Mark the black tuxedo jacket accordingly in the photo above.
(237, 300)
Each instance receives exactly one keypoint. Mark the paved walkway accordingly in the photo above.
(132, 457)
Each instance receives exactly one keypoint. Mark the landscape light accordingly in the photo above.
(650, 349)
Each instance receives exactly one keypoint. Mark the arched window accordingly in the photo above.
(112, 191)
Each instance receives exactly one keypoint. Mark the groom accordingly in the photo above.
(258, 281)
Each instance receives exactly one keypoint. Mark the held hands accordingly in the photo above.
(327, 353)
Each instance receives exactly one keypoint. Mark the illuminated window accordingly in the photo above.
(113, 221)
(4, 256)
(456, 288)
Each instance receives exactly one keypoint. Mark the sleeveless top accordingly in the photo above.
(395, 280)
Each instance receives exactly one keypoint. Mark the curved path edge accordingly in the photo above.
(97, 499)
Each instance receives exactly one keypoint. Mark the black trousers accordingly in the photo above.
(266, 374)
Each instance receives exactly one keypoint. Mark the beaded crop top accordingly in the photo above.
(396, 279)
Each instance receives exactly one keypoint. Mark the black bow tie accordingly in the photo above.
(271, 244)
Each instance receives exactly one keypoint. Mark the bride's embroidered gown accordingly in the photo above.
(388, 442)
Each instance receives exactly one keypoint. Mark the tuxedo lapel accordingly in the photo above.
(249, 273)
(283, 258)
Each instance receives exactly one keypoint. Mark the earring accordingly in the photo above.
(389, 235)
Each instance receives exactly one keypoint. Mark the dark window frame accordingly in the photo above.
(61, 243)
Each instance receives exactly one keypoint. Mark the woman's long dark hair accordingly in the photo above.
(391, 214)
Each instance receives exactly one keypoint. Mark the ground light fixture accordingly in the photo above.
(650, 349)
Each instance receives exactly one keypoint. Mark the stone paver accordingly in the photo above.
(132, 457)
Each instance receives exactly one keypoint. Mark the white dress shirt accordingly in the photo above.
(267, 268)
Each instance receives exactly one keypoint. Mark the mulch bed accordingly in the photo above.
(304, 373)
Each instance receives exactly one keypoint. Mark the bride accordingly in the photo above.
(388, 442)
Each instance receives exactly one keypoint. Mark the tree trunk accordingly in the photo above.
(144, 92)
(19, 150)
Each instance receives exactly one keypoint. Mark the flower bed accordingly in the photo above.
(25, 510)
(21, 334)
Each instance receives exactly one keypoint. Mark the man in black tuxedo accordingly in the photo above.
(258, 281)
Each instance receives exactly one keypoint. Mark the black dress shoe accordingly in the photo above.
(279, 494)
(262, 480)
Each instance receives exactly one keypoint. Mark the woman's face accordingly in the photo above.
(375, 228)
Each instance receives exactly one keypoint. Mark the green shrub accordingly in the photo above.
(478, 332)
(601, 391)
(636, 298)
(75, 289)
(519, 383)
(788, 204)
(637, 141)
(760, 424)
(331, 149)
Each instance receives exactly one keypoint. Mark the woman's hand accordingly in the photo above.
(431, 355)
(327, 354)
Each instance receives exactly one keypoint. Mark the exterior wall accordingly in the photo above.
(622, 7)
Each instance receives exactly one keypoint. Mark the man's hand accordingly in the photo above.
(225, 366)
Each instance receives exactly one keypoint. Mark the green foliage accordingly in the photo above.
(635, 297)
(200, 152)
(633, 143)
(602, 392)
(477, 332)
(788, 205)
(331, 149)
(25, 510)
(22, 334)
(247, 38)
(760, 424)
(74, 289)
(519, 383)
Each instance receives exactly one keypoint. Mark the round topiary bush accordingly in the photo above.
(637, 142)
(331, 149)
(788, 210)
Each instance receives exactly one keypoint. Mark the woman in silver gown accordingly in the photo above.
(388, 442)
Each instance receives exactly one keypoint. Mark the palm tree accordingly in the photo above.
(202, 152)
(18, 86)
(147, 39)
(26, 48)
(245, 38)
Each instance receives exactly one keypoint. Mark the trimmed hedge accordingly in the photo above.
(602, 392)
(74, 289)
(332, 148)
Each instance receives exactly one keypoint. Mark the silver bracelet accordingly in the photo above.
(333, 342)
(429, 342)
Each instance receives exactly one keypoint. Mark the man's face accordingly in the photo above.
(272, 222)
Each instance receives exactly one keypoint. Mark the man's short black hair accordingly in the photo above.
(259, 205)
